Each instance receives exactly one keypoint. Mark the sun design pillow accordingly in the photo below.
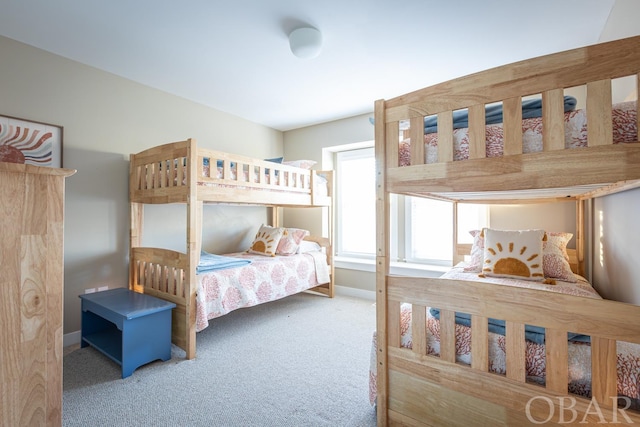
(515, 254)
(266, 240)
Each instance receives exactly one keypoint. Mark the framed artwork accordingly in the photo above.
(29, 142)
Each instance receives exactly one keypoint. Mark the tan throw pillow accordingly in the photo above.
(266, 240)
(515, 254)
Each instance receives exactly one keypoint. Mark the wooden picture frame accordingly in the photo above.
(30, 142)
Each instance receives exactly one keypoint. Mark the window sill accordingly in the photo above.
(397, 268)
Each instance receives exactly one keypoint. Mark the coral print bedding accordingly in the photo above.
(624, 130)
(628, 360)
(264, 279)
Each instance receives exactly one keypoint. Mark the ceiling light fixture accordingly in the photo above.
(305, 42)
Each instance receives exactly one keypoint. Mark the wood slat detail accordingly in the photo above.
(445, 136)
(599, 122)
(392, 134)
(556, 356)
(480, 343)
(419, 329)
(417, 140)
(447, 336)
(512, 126)
(603, 370)
(477, 135)
(515, 349)
(553, 120)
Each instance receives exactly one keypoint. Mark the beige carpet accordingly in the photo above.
(299, 361)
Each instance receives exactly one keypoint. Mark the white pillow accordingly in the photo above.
(308, 246)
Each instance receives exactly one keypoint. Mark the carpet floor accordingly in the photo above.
(299, 361)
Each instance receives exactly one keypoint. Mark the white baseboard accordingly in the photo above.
(355, 292)
(71, 338)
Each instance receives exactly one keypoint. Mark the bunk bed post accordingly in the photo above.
(135, 241)
(135, 226)
(332, 270)
(580, 236)
(194, 219)
(457, 257)
(382, 261)
(276, 218)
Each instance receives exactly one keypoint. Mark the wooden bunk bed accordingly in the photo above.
(182, 172)
(414, 388)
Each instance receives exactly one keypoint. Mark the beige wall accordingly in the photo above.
(615, 246)
(105, 118)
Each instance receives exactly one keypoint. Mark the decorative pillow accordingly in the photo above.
(515, 254)
(303, 164)
(290, 241)
(474, 265)
(555, 257)
(275, 160)
(266, 240)
(308, 246)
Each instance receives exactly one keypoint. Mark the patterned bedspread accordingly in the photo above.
(265, 279)
(624, 130)
(579, 353)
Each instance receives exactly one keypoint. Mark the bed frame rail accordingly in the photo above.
(165, 174)
(501, 400)
(548, 76)
(162, 273)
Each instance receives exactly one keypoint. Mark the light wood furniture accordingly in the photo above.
(31, 289)
(416, 389)
(182, 172)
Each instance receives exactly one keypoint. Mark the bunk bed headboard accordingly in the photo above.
(548, 76)
(413, 386)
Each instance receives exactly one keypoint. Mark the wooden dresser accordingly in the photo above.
(31, 294)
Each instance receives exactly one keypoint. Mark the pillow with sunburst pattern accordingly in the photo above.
(266, 240)
(515, 254)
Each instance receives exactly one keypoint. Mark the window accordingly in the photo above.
(421, 229)
(356, 203)
(429, 231)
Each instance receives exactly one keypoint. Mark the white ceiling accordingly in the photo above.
(234, 55)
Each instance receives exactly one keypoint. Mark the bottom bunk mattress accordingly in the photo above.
(628, 360)
(264, 279)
